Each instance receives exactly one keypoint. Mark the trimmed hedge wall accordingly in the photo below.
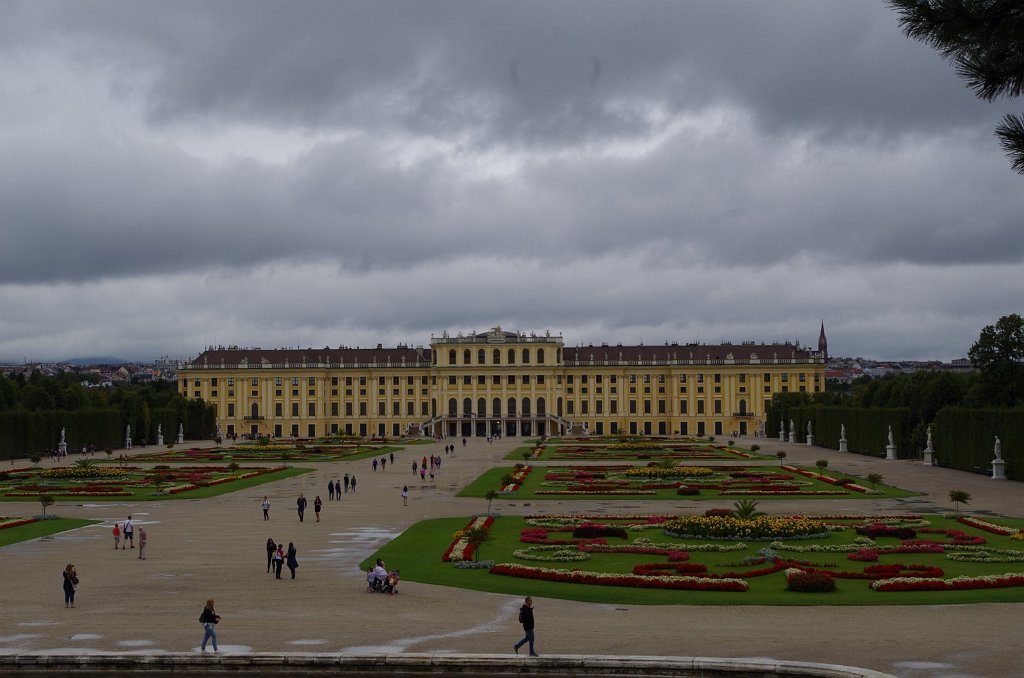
(964, 438)
(25, 434)
(867, 429)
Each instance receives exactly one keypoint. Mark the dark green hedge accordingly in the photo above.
(25, 434)
(867, 429)
(964, 438)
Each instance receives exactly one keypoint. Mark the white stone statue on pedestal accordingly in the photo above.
(64, 442)
(792, 431)
(890, 449)
(929, 451)
(128, 437)
(842, 438)
(62, 447)
(782, 431)
(998, 465)
(159, 434)
(890, 436)
(810, 432)
(181, 434)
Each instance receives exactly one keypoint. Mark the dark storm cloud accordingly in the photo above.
(523, 72)
(703, 171)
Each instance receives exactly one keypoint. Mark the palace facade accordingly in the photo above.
(500, 382)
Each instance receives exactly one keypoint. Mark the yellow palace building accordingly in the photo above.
(500, 383)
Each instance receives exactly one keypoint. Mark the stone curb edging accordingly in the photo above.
(273, 664)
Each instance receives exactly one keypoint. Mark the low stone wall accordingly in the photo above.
(272, 665)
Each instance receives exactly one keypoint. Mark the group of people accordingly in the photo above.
(277, 558)
(126, 533)
(383, 462)
(336, 487)
(380, 580)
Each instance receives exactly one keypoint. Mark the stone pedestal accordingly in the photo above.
(128, 443)
(929, 457)
(160, 440)
(810, 440)
(62, 447)
(998, 469)
(792, 437)
(843, 446)
(890, 452)
(180, 439)
(782, 436)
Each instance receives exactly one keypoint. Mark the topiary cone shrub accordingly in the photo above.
(810, 582)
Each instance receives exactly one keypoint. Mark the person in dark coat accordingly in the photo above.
(526, 619)
(300, 503)
(290, 558)
(271, 547)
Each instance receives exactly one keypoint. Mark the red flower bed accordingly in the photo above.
(955, 584)
(599, 579)
(16, 523)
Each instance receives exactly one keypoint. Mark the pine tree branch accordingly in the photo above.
(1011, 136)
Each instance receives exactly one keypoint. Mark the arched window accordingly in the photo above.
(496, 407)
(465, 357)
(453, 407)
(558, 405)
(481, 407)
(480, 357)
(526, 356)
(526, 407)
(496, 356)
(743, 407)
(255, 410)
(511, 407)
(540, 356)
(467, 406)
(511, 356)
(541, 407)
(451, 357)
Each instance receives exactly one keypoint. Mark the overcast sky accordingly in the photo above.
(180, 174)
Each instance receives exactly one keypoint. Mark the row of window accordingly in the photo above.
(511, 379)
(634, 427)
(481, 356)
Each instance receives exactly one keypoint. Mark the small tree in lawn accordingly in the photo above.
(489, 496)
(477, 537)
(781, 454)
(35, 459)
(874, 479)
(526, 455)
(755, 447)
(45, 500)
(822, 464)
(959, 497)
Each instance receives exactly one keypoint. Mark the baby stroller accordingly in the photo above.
(386, 585)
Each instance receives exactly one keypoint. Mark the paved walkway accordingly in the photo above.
(215, 547)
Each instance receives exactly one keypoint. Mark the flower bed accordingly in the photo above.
(14, 522)
(987, 526)
(460, 548)
(993, 581)
(606, 579)
(731, 527)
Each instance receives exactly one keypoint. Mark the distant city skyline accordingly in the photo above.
(188, 174)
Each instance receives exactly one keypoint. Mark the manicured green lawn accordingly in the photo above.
(535, 483)
(40, 528)
(417, 554)
(134, 491)
(684, 454)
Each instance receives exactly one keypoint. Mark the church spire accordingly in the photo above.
(822, 341)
